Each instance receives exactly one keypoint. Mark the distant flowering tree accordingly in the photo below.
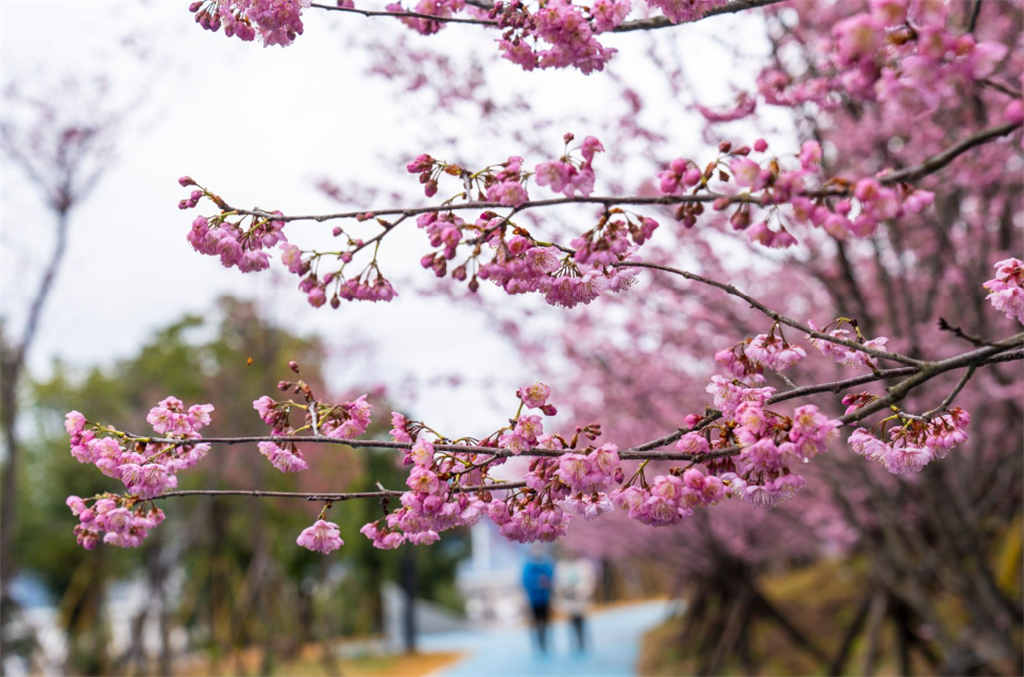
(893, 227)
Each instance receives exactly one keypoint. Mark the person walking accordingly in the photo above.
(538, 580)
(575, 579)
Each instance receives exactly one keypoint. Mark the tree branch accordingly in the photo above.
(648, 450)
(663, 22)
(930, 371)
(972, 19)
(940, 160)
(778, 317)
(640, 24)
(906, 175)
(407, 15)
(337, 497)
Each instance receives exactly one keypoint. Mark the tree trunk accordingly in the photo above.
(12, 362)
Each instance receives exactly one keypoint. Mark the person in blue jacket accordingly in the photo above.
(538, 579)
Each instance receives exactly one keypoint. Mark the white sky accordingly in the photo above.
(258, 126)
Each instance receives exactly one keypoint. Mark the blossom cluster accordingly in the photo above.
(845, 355)
(1006, 289)
(146, 468)
(242, 243)
(445, 486)
(277, 22)
(559, 34)
(914, 443)
(245, 243)
(748, 359)
(570, 176)
(522, 265)
(904, 53)
(768, 456)
(505, 183)
(681, 11)
(368, 285)
(347, 420)
(432, 505)
(519, 263)
(840, 207)
(439, 8)
(668, 499)
(771, 444)
(113, 520)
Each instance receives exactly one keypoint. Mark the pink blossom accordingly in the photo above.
(284, 460)
(609, 13)
(693, 443)
(1006, 289)
(534, 396)
(748, 174)
(508, 193)
(323, 537)
(589, 147)
(774, 352)
(554, 174)
(679, 11)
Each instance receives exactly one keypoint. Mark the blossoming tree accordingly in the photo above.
(849, 291)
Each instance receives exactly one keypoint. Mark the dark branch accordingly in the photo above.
(662, 22)
(385, 493)
(972, 20)
(937, 162)
(957, 331)
(778, 317)
(407, 15)
(641, 24)
(909, 174)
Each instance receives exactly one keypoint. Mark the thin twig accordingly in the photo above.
(407, 15)
(957, 331)
(778, 317)
(663, 22)
(952, 395)
(1001, 87)
(972, 20)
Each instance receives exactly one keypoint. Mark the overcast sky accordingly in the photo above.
(259, 126)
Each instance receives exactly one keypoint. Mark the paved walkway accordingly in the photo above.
(613, 635)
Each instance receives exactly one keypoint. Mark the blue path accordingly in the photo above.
(613, 636)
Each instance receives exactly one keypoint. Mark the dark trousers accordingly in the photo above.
(541, 616)
(578, 632)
